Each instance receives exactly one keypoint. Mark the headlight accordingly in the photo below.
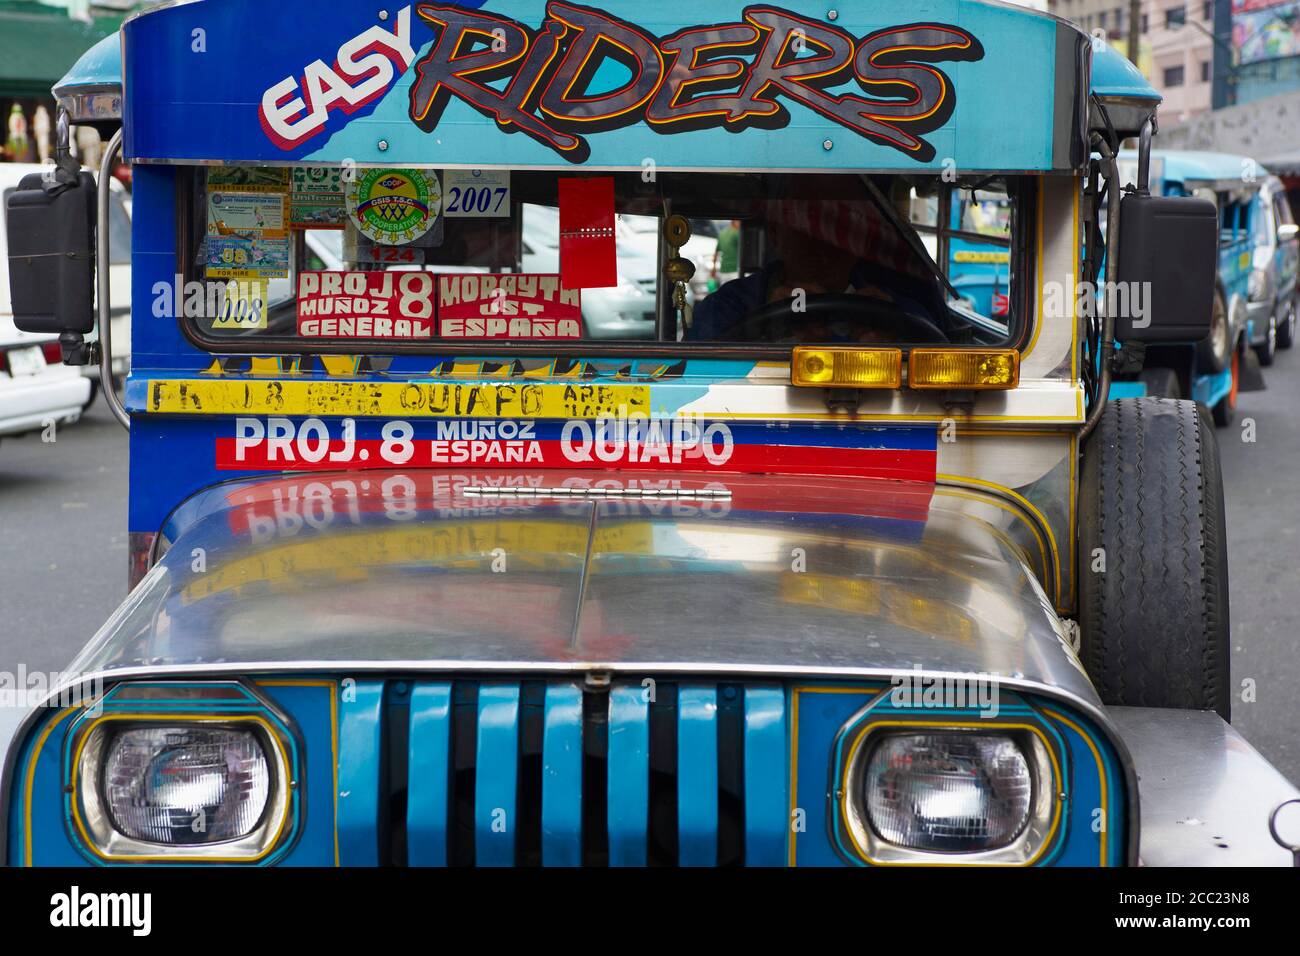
(948, 792)
(1257, 290)
(182, 785)
(978, 793)
(190, 789)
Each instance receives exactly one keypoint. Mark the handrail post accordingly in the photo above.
(102, 278)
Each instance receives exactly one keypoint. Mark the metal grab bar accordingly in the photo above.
(103, 193)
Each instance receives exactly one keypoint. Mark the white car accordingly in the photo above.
(35, 387)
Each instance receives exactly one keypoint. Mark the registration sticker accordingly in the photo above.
(394, 206)
(476, 193)
(483, 306)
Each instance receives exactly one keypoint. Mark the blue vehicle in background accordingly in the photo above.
(1209, 371)
(1272, 306)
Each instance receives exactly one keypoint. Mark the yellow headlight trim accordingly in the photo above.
(964, 368)
(847, 368)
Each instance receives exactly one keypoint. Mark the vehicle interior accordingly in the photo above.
(776, 259)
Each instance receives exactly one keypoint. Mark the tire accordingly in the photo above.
(1161, 383)
(1214, 351)
(1268, 351)
(1226, 409)
(1154, 623)
(1286, 331)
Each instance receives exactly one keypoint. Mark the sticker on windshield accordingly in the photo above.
(483, 306)
(243, 306)
(476, 193)
(365, 305)
(394, 206)
(317, 200)
(247, 232)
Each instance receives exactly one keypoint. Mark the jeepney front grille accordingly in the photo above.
(567, 773)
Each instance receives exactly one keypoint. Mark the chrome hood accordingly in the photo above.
(555, 572)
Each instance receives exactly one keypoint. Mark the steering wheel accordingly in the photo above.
(781, 316)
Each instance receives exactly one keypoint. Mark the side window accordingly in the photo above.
(968, 233)
(1282, 209)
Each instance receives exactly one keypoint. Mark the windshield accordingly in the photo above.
(530, 257)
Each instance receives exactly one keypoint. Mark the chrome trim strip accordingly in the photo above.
(91, 104)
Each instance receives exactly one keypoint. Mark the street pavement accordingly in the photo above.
(63, 550)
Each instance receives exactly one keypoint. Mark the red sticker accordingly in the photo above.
(365, 305)
(588, 252)
(484, 306)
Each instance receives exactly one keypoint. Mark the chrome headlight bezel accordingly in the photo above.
(89, 820)
(1032, 840)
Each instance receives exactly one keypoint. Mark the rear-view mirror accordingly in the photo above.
(1168, 257)
(51, 230)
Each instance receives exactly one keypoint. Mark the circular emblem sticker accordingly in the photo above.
(394, 206)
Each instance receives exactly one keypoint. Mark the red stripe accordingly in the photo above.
(892, 464)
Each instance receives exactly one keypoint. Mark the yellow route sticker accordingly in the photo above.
(395, 399)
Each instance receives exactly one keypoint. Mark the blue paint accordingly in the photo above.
(821, 715)
(360, 760)
(429, 776)
(495, 781)
(1113, 75)
(767, 777)
(629, 775)
(99, 68)
(697, 775)
(309, 839)
(218, 110)
(562, 776)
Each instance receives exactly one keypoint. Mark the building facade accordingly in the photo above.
(1176, 44)
(1265, 45)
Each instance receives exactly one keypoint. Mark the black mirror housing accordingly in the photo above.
(51, 230)
(1168, 259)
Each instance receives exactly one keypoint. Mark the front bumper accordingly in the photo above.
(1258, 314)
(1205, 793)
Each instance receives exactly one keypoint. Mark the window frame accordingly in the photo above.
(1021, 327)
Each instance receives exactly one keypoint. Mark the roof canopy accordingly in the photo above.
(680, 84)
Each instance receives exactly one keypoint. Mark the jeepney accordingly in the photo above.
(825, 567)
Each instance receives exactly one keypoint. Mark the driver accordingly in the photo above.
(804, 257)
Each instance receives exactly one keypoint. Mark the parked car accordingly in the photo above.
(1271, 301)
(35, 387)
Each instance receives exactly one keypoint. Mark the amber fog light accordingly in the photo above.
(847, 368)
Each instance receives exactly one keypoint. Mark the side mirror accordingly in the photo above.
(1168, 258)
(1287, 231)
(50, 219)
